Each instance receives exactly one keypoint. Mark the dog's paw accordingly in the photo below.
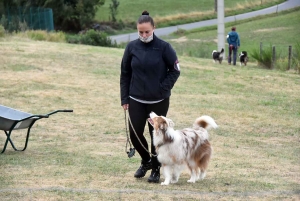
(191, 181)
(202, 175)
(174, 181)
(164, 183)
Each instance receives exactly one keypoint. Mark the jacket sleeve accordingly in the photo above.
(238, 40)
(171, 61)
(228, 39)
(125, 76)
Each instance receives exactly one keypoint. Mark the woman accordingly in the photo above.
(149, 70)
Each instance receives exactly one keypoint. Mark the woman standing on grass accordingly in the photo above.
(149, 70)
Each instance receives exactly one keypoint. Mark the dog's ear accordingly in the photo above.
(163, 126)
(171, 123)
(163, 123)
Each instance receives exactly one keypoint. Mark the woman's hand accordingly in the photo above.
(125, 106)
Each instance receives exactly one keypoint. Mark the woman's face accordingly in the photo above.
(145, 29)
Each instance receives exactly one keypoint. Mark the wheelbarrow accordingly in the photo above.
(11, 119)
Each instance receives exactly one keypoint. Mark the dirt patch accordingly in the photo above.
(271, 29)
(185, 39)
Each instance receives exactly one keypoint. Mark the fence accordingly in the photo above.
(35, 18)
(283, 52)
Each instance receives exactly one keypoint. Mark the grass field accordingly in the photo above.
(81, 155)
(279, 30)
(177, 11)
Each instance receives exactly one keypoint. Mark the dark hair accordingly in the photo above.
(233, 29)
(144, 18)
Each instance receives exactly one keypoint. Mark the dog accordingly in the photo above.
(177, 149)
(243, 58)
(217, 56)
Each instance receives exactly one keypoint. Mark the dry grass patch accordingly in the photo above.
(81, 155)
(271, 29)
(209, 13)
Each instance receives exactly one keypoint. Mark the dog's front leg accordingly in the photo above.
(167, 171)
(193, 176)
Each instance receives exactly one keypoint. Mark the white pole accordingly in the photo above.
(221, 27)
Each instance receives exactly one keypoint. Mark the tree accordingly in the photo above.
(73, 15)
(113, 9)
(68, 15)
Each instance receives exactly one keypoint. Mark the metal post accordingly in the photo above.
(216, 6)
(260, 49)
(39, 18)
(273, 57)
(30, 18)
(221, 27)
(290, 57)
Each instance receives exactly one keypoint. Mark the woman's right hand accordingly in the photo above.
(125, 106)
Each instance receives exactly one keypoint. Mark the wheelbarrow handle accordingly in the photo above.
(66, 110)
(59, 111)
(41, 116)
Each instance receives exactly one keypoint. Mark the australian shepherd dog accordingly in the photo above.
(178, 149)
(243, 58)
(217, 56)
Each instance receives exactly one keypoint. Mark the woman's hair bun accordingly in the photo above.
(145, 12)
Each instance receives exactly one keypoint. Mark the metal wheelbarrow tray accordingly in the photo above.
(11, 119)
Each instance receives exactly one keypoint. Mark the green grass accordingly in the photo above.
(172, 12)
(81, 155)
(279, 30)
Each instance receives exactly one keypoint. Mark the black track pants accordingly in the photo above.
(139, 113)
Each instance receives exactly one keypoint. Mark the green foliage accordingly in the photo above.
(264, 57)
(68, 15)
(91, 37)
(96, 38)
(173, 8)
(37, 35)
(42, 35)
(296, 57)
(180, 32)
(73, 38)
(2, 31)
(277, 29)
(4, 21)
(73, 15)
(113, 9)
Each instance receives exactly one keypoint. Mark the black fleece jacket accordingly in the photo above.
(148, 70)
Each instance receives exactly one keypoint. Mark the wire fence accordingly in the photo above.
(34, 18)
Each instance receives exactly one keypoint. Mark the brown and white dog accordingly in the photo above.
(177, 149)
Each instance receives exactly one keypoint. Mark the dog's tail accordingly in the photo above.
(205, 122)
(222, 50)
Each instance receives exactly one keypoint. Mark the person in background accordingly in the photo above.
(233, 40)
(149, 70)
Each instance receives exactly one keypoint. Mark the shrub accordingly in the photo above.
(42, 35)
(96, 38)
(264, 58)
(75, 39)
(2, 31)
(282, 64)
(296, 57)
(37, 34)
(58, 36)
(4, 21)
(114, 9)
